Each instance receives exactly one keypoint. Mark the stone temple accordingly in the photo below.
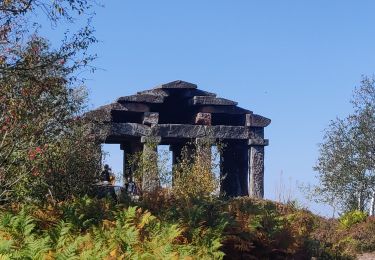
(178, 113)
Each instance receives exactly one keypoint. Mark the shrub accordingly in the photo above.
(352, 217)
(193, 176)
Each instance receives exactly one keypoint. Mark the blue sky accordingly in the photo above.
(296, 62)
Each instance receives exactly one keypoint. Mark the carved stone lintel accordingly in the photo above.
(253, 135)
(256, 167)
(198, 131)
(129, 129)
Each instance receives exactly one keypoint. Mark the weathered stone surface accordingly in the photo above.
(154, 92)
(262, 142)
(100, 131)
(223, 109)
(134, 107)
(190, 93)
(256, 171)
(203, 119)
(256, 133)
(142, 98)
(207, 100)
(198, 92)
(129, 129)
(178, 84)
(199, 131)
(103, 113)
(150, 118)
(151, 139)
(181, 93)
(257, 120)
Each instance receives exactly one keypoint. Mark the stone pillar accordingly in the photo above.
(203, 145)
(234, 169)
(130, 151)
(256, 155)
(256, 171)
(150, 178)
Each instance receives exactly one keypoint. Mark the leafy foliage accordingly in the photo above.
(130, 233)
(346, 162)
(40, 101)
(352, 217)
(240, 228)
(193, 175)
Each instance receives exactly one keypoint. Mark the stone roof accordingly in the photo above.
(176, 109)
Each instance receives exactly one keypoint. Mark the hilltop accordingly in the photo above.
(162, 227)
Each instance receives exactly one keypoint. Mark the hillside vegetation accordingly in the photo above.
(162, 227)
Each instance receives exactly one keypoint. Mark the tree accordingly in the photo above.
(44, 149)
(346, 165)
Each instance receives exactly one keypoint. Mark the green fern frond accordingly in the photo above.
(61, 234)
(4, 257)
(5, 245)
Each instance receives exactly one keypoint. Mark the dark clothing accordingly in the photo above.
(105, 176)
(131, 188)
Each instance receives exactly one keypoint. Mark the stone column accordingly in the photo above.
(203, 145)
(130, 151)
(234, 169)
(150, 178)
(256, 155)
(256, 171)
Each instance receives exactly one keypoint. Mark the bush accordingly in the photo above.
(352, 217)
(193, 176)
(45, 150)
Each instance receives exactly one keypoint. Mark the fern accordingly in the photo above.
(132, 234)
(5, 245)
(19, 240)
(61, 234)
